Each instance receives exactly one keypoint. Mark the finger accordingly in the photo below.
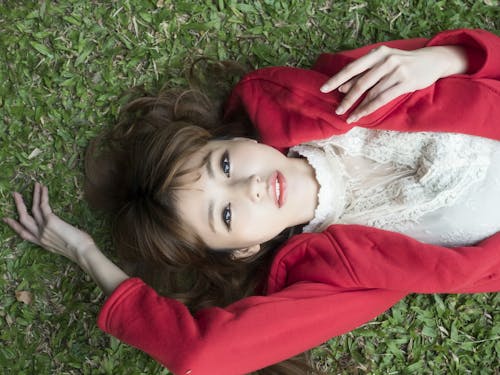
(385, 84)
(382, 99)
(353, 69)
(35, 207)
(362, 85)
(46, 210)
(24, 218)
(21, 231)
(348, 85)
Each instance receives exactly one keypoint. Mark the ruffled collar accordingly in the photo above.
(331, 177)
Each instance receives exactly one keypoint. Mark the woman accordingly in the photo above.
(323, 284)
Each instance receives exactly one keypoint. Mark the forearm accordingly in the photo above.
(102, 270)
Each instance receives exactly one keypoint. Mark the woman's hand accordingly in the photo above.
(386, 73)
(46, 229)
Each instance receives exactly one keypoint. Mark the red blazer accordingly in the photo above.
(324, 284)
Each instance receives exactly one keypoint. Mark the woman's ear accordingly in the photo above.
(245, 252)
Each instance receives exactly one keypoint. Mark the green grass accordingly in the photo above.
(63, 66)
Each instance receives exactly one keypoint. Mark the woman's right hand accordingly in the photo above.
(47, 230)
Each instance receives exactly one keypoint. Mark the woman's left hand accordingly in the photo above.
(386, 73)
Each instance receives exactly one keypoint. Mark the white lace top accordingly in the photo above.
(439, 188)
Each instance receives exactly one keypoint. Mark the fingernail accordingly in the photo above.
(340, 110)
(323, 89)
(351, 119)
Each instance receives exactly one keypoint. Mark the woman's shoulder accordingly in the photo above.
(296, 253)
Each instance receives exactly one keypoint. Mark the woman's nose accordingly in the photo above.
(255, 188)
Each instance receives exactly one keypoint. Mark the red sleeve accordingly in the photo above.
(252, 333)
(350, 256)
(320, 285)
(287, 108)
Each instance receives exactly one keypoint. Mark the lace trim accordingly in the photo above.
(405, 175)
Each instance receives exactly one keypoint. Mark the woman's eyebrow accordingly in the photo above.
(211, 215)
(207, 160)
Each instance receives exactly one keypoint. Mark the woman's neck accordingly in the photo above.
(309, 189)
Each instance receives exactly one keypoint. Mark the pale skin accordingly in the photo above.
(386, 73)
(382, 75)
(48, 231)
(233, 200)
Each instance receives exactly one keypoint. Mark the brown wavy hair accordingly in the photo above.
(132, 173)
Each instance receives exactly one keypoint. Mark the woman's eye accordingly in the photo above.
(226, 216)
(225, 164)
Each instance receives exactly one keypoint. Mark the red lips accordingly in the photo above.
(279, 196)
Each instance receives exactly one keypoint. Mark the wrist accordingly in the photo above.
(84, 252)
(454, 58)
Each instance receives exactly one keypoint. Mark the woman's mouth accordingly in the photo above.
(278, 182)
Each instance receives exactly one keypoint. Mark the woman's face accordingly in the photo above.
(246, 193)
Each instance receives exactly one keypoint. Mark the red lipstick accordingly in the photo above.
(278, 188)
